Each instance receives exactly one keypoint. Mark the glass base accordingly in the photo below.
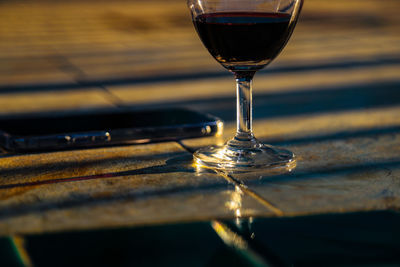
(245, 155)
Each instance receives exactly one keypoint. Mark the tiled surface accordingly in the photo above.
(332, 97)
(358, 173)
(196, 204)
(110, 187)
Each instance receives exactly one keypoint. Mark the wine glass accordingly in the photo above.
(244, 36)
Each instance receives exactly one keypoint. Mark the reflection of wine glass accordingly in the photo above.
(244, 36)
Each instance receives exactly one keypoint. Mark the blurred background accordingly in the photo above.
(57, 55)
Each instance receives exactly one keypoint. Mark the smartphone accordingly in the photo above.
(66, 131)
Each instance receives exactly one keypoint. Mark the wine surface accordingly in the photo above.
(244, 40)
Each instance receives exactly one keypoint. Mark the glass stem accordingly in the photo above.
(244, 107)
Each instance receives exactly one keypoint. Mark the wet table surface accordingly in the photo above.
(332, 97)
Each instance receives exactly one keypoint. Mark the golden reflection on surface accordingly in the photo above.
(235, 202)
(228, 236)
(235, 205)
(238, 241)
(197, 167)
(220, 131)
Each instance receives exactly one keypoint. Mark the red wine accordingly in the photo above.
(244, 40)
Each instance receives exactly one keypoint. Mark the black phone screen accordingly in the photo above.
(61, 124)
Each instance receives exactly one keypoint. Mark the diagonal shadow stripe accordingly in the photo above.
(21, 170)
(330, 99)
(83, 199)
(327, 171)
(89, 83)
(335, 136)
(175, 164)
